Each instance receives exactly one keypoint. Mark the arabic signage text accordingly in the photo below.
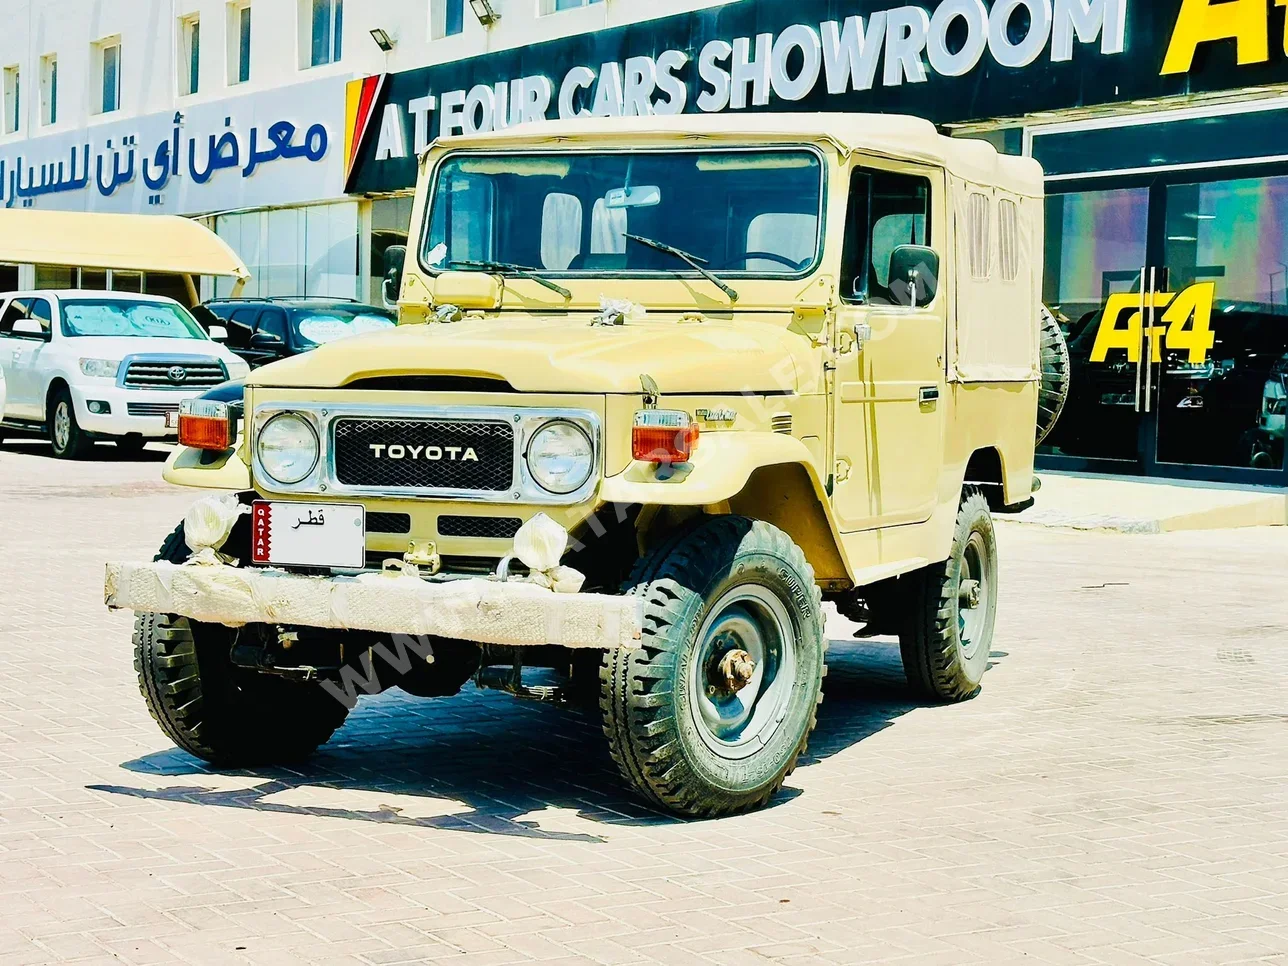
(277, 147)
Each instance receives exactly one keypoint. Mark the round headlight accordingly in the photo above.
(287, 448)
(561, 457)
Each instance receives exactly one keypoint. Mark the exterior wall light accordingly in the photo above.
(382, 39)
(486, 13)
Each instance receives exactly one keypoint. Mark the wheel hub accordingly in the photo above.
(62, 425)
(741, 671)
(973, 596)
(733, 671)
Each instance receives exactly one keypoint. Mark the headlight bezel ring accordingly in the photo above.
(313, 434)
(581, 435)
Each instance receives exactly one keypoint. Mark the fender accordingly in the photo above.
(750, 473)
(718, 471)
(207, 470)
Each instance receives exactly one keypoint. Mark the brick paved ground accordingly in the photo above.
(1118, 794)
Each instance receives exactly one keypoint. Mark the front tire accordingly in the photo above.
(709, 715)
(951, 607)
(210, 708)
(68, 440)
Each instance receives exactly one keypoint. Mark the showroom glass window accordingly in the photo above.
(310, 250)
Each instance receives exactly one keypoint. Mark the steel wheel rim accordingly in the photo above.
(974, 601)
(755, 620)
(62, 425)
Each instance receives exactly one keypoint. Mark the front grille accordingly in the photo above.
(388, 523)
(150, 409)
(493, 528)
(173, 374)
(439, 454)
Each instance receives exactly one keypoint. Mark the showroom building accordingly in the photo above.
(1160, 124)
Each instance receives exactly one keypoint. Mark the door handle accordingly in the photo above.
(928, 397)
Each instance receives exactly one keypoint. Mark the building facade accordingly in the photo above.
(232, 112)
(294, 127)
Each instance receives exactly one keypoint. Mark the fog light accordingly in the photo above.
(99, 407)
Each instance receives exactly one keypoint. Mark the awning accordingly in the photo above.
(148, 243)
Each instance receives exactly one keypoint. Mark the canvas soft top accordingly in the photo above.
(891, 135)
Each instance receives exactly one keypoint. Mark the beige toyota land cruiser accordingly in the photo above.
(660, 388)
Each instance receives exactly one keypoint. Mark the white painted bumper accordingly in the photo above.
(149, 405)
(484, 611)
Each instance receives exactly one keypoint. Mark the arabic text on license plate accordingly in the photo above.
(172, 419)
(309, 534)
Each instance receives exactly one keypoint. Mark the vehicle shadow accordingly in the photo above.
(484, 762)
(102, 452)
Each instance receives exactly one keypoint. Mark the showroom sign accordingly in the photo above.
(270, 148)
(951, 61)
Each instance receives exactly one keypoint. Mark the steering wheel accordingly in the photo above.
(781, 259)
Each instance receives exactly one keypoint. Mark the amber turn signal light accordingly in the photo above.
(205, 424)
(663, 436)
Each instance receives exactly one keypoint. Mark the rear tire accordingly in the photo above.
(214, 710)
(951, 608)
(68, 440)
(692, 726)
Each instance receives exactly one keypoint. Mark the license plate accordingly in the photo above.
(172, 419)
(309, 534)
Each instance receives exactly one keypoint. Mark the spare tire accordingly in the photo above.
(1054, 387)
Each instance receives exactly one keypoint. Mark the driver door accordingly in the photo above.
(890, 375)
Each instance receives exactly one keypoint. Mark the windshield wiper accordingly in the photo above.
(693, 261)
(519, 270)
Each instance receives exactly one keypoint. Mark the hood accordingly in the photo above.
(118, 347)
(230, 391)
(565, 353)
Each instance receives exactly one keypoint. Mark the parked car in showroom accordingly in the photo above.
(87, 365)
(263, 330)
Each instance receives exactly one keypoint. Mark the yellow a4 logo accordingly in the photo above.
(1186, 324)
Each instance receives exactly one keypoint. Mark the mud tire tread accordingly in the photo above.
(638, 715)
(928, 639)
(283, 721)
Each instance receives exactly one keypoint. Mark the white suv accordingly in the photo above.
(86, 365)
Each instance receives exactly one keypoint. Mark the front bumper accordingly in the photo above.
(149, 408)
(509, 613)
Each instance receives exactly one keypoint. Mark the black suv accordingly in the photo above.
(263, 330)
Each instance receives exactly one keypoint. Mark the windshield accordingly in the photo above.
(109, 317)
(750, 213)
(319, 326)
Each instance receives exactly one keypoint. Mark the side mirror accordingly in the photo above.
(265, 340)
(219, 333)
(914, 275)
(395, 257)
(30, 328)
